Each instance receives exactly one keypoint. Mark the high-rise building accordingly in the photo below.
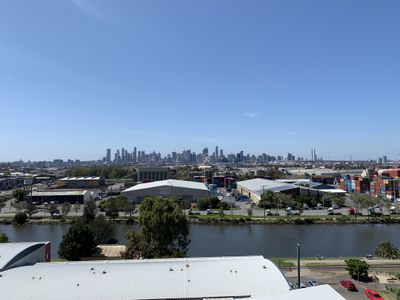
(216, 151)
(221, 153)
(134, 155)
(108, 156)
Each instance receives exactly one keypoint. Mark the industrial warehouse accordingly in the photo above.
(251, 277)
(180, 189)
(254, 188)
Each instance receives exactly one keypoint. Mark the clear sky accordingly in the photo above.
(78, 76)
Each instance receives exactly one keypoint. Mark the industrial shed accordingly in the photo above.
(254, 188)
(247, 277)
(180, 189)
(61, 196)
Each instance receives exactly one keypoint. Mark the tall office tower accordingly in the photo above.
(315, 156)
(134, 155)
(384, 159)
(216, 151)
(205, 151)
(221, 153)
(123, 154)
(312, 154)
(118, 157)
(108, 156)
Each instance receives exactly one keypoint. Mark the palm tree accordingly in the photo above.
(386, 249)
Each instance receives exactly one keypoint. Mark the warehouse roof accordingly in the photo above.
(169, 183)
(259, 185)
(59, 193)
(187, 278)
(8, 251)
(80, 178)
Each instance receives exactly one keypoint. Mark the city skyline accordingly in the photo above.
(80, 76)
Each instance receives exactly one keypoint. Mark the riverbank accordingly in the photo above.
(237, 220)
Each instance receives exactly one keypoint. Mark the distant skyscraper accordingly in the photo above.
(216, 151)
(221, 153)
(135, 155)
(384, 159)
(108, 156)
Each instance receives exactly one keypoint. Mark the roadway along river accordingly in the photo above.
(267, 240)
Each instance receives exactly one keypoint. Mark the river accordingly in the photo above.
(331, 240)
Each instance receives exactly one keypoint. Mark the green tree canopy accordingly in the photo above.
(20, 218)
(65, 209)
(386, 249)
(78, 242)
(89, 211)
(165, 228)
(19, 195)
(3, 238)
(103, 231)
(268, 199)
(358, 269)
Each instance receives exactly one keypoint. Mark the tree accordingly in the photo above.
(78, 242)
(285, 200)
(357, 268)
(361, 201)
(19, 195)
(267, 199)
(30, 209)
(53, 210)
(103, 231)
(89, 211)
(3, 237)
(338, 200)
(65, 209)
(386, 249)
(20, 218)
(249, 212)
(133, 245)
(165, 228)
(210, 202)
(77, 207)
(129, 209)
(112, 209)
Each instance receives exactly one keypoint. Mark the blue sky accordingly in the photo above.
(78, 76)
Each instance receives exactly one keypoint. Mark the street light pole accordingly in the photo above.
(298, 265)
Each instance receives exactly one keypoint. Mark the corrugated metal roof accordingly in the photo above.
(259, 185)
(80, 178)
(59, 193)
(9, 250)
(169, 183)
(251, 276)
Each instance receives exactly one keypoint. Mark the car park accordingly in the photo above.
(372, 294)
(349, 285)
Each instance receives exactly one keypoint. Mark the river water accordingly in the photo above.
(256, 239)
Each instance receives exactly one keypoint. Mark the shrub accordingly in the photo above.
(20, 218)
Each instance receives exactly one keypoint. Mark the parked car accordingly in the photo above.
(268, 212)
(312, 283)
(372, 295)
(302, 285)
(349, 285)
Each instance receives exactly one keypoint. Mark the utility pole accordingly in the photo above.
(298, 266)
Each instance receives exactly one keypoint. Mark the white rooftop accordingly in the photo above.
(259, 185)
(169, 183)
(59, 193)
(251, 276)
(9, 250)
